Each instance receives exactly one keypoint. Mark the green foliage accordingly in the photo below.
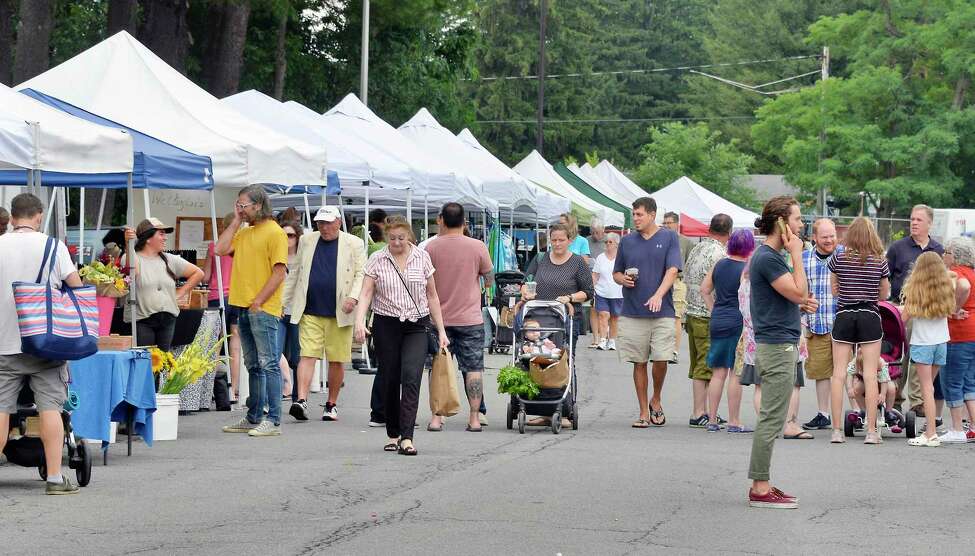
(515, 381)
(694, 151)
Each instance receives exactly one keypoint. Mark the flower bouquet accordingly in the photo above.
(199, 358)
(107, 279)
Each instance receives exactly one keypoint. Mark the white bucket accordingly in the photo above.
(166, 419)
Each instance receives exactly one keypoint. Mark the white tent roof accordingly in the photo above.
(537, 169)
(436, 182)
(424, 130)
(275, 115)
(122, 80)
(548, 205)
(687, 197)
(592, 178)
(618, 180)
(36, 136)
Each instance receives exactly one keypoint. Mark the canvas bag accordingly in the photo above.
(60, 325)
(555, 375)
(444, 400)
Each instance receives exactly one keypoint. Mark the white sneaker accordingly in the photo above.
(266, 428)
(602, 344)
(376, 424)
(953, 437)
(611, 345)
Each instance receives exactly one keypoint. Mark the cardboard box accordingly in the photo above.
(114, 343)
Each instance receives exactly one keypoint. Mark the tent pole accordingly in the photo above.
(145, 201)
(216, 268)
(365, 229)
(426, 217)
(311, 225)
(101, 211)
(345, 226)
(50, 211)
(81, 228)
(409, 206)
(130, 218)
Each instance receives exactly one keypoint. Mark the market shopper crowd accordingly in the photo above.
(766, 311)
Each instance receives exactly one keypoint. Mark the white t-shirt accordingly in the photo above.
(155, 288)
(606, 287)
(21, 255)
(929, 332)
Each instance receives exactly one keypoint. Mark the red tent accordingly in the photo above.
(692, 228)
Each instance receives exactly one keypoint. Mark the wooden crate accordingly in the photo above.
(114, 343)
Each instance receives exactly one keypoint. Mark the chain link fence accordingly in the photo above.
(889, 229)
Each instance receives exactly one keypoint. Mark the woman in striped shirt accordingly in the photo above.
(860, 278)
(399, 285)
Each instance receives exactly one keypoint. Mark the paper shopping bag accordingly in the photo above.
(552, 375)
(444, 400)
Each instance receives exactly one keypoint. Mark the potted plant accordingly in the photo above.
(110, 285)
(175, 374)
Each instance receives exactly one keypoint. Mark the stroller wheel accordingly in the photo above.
(575, 419)
(83, 471)
(910, 424)
(521, 422)
(848, 422)
(510, 417)
(556, 422)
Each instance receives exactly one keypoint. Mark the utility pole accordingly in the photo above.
(824, 66)
(364, 66)
(540, 135)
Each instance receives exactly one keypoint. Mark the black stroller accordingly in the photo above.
(555, 330)
(24, 446)
(508, 284)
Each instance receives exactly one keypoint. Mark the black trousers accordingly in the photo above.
(156, 330)
(401, 349)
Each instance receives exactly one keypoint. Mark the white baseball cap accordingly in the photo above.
(327, 214)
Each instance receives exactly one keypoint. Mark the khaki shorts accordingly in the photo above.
(819, 364)
(680, 298)
(48, 381)
(641, 340)
(322, 336)
(698, 343)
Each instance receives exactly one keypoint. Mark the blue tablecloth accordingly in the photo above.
(110, 384)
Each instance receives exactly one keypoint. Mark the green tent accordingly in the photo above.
(591, 192)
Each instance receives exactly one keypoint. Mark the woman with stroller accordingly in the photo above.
(929, 299)
(958, 375)
(609, 295)
(720, 292)
(399, 287)
(860, 278)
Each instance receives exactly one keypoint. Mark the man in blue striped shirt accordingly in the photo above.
(819, 325)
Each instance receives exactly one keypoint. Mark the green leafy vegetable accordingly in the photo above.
(515, 381)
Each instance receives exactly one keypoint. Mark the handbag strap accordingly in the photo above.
(49, 248)
(402, 279)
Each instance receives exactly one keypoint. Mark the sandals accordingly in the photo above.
(657, 417)
(837, 437)
(407, 450)
(804, 435)
(431, 428)
(391, 446)
(923, 440)
(641, 424)
(472, 429)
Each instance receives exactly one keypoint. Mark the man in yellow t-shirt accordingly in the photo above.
(260, 263)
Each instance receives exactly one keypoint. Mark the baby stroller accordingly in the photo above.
(24, 446)
(555, 330)
(509, 284)
(894, 351)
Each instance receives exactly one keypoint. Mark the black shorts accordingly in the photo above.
(233, 313)
(858, 324)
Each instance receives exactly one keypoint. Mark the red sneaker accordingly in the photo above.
(784, 495)
(970, 435)
(771, 500)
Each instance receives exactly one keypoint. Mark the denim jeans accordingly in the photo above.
(958, 375)
(259, 344)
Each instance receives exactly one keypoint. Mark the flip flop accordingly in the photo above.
(657, 417)
(391, 447)
(641, 424)
(407, 451)
(804, 435)
(431, 428)
(472, 429)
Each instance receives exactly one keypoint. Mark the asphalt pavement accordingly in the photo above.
(328, 488)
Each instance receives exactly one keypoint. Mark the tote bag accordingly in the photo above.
(56, 324)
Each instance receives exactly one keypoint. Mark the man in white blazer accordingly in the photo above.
(323, 290)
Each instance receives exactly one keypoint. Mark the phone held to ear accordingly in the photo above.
(780, 223)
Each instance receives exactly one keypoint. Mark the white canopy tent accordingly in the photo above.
(684, 196)
(122, 80)
(592, 178)
(548, 206)
(537, 169)
(612, 177)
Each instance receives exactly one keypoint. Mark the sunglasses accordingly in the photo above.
(242, 206)
(292, 234)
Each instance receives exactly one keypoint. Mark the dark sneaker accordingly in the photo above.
(722, 420)
(299, 410)
(698, 422)
(64, 487)
(773, 499)
(330, 413)
(819, 422)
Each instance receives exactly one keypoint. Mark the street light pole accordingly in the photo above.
(540, 137)
(364, 66)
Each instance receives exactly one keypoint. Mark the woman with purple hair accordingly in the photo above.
(720, 292)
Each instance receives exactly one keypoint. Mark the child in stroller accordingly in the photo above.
(855, 389)
(535, 343)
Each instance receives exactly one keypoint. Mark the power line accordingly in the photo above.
(616, 120)
(653, 70)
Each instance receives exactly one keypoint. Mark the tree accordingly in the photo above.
(8, 9)
(225, 39)
(697, 152)
(33, 39)
(280, 52)
(165, 31)
(122, 16)
(896, 123)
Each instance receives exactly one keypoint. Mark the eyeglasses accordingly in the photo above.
(243, 206)
(292, 234)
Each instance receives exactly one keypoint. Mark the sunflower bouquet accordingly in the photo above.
(198, 359)
(107, 279)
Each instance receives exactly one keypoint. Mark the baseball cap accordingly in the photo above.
(152, 224)
(327, 214)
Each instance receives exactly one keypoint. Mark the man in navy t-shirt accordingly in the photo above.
(646, 266)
